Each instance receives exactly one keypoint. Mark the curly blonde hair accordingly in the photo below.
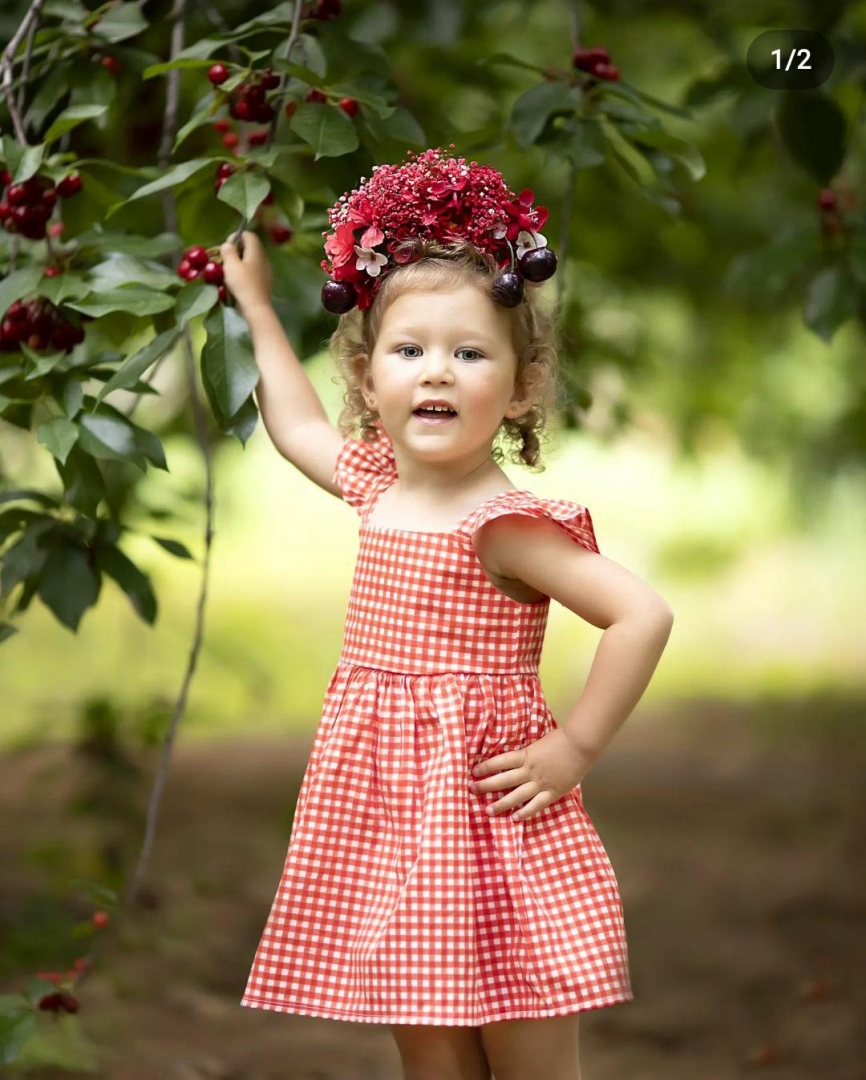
(438, 266)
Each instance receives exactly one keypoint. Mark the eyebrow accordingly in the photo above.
(415, 331)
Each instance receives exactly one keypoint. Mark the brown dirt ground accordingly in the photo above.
(736, 835)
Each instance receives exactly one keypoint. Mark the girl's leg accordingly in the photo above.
(528, 1049)
(433, 1052)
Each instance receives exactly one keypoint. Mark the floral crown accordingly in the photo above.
(436, 197)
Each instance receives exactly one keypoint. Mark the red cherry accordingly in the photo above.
(324, 10)
(99, 919)
(268, 200)
(349, 106)
(17, 311)
(316, 95)
(5, 177)
(55, 229)
(599, 53)
(223, 294)
(580, 57)
(111, 65)
(280, 234)
(52, 271)
(258, 138)
(264, 114)
(241, 110)
(183, 268)
(605, 71)
(49, 197)
(827, 199)
(196, 256)
(222, 126)
(213, 273)
(224, 170)
(17, 195)
(231, 140)
(218, 74)
(291, 108)
(69, 185)
(270, 80)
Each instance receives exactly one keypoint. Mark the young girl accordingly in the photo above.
(443, 875)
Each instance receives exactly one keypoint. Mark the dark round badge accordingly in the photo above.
(790, 59)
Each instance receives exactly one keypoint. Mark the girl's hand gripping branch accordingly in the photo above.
(248, 278)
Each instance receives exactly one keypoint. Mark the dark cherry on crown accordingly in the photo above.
(538, 264)
(508, 288)
(338, 297)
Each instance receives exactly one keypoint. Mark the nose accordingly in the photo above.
(436, 366)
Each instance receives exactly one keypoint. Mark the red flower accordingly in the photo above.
(341, 246)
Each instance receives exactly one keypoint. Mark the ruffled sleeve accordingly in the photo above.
(364, 467)
(569, 516)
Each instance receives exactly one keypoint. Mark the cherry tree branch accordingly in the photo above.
(287, 52)
(178, 16)
(7, 62)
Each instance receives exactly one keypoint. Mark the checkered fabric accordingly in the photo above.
(401, 901)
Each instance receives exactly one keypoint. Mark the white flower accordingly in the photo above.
(499, 231)
(370, 260)
(526, 241)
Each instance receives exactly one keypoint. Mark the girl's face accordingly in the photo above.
(455, 346)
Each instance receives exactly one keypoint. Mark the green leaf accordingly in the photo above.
(228, 367)
(59, 435)
(16, 1026)
(28, 494)
(688, 155)
(18, 284)
(72, 117)
(244, 192)
(326, 128)
(119, 269)
(68, 584)
(63, 287)
(813, 131)
(172, 178)
(82, 481)
(194, 299)
(243, 423)
(204, 113)
(120, 22)
(831, 299)
(581, 141)
(857, 257)
(107, 433)
(136, 584)
(139, 362)
(175, 547)
(398, 125)
(135, 300)
(184, 64)
(22, 161)
(144, 247)
(308, 52)
(531, 111)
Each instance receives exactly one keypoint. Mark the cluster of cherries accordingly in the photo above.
(26, 207)
(535, 265)
(198, 263)
(348, 104)
(38, 324)
(596, 62)
(323, 9)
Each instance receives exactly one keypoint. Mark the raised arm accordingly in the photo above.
(291, 410)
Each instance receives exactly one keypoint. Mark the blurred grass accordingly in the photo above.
(761, 608)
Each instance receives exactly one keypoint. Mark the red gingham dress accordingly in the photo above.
(401, 901)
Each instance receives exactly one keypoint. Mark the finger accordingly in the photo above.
(533, 807)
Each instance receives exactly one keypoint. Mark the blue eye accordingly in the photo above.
(402, 348)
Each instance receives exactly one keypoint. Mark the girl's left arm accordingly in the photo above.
(636, 620)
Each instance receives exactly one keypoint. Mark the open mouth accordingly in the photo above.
(427, 413)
